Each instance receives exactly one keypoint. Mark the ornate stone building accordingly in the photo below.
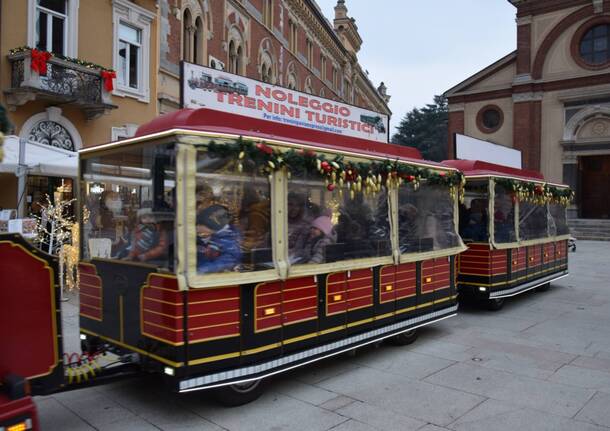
(550, 98)
(284, 42)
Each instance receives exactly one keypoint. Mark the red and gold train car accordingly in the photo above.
(225, 255)
(514, 224)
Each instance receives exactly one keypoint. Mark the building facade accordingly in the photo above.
(550, 98)
(115, 65)
(71, 98)
(284, 42)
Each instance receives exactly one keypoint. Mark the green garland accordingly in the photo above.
(78, 61)
(538, 193)
(369, 177)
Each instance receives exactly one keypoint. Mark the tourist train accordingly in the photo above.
(515, 226)
(218, 250)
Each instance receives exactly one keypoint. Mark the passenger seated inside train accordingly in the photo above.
(475, 225)
(312, 249)
(149, 241)
(298, 219)
(254, 219)
(218, 241)
(504, 224)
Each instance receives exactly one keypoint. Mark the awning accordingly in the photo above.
(40, 159)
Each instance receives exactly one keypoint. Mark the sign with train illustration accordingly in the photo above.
(203, 87)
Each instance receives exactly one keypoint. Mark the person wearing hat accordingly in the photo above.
(298, 221)
(218, 242)
(312, 249)
(149, 241)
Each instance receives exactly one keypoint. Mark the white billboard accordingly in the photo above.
(227, 92)
(468, 148)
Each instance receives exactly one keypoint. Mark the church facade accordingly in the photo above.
(550, 98)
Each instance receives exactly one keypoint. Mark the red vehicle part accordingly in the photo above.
(18, 414)
(30, 324)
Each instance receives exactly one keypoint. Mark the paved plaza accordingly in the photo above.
(541, 363)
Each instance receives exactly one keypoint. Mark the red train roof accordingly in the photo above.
(478, 167)
(207, 120)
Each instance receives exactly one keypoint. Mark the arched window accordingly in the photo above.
(198, 42)
(194, 27)
(52, 128)
(232, 57)
(238, 59)
(308, 88)
(266, 73)
(187, 36)
(53, 134)
(292, 82)
(236, 53)
(595, 45)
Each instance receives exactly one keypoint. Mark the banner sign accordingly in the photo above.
(227, 92)
(469, 148)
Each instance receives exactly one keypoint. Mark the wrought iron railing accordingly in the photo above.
(62, 78)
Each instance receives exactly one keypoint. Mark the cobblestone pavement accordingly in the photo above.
(541, 363)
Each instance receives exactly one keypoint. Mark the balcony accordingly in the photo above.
(65, 82)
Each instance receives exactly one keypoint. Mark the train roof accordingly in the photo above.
(478, 168)
(207, 120)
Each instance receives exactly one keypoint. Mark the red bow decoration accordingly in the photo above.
(39, 61)
(108, 76)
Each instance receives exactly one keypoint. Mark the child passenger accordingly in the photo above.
(218, 242)
(312, 249)
(149, 241)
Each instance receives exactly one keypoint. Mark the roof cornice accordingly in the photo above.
(479, 76)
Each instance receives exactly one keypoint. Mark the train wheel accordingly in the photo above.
(495, 304)
(544, 287)
(239, 394)
(404, 338)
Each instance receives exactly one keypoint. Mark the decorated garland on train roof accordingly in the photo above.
(537, 193)
(338, 173)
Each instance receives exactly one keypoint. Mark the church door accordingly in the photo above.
(595, 187)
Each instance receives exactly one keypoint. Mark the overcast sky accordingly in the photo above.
(422, 48)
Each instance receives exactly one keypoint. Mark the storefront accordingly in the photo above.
(30, 171)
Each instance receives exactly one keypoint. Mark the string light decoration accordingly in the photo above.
(536, 193)
(58, 233)
(338, 174)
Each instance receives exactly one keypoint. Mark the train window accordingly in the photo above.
(474, 213)
(129, 210)
(325, 226)
(504, 216)
(233, 220)
(558, 223)
(426, 219)
(533, 221)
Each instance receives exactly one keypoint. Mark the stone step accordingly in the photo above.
(594, 237)
(589, 222)
(603, 226)
(589, 227)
